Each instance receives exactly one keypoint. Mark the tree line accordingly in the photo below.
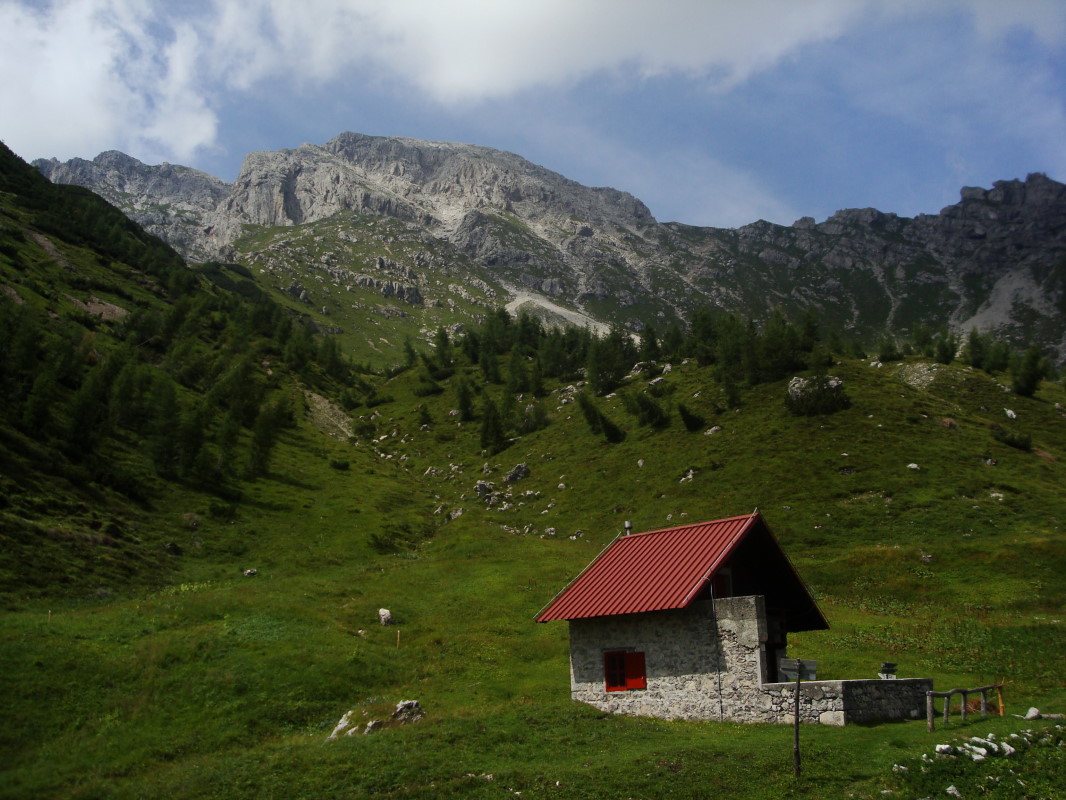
(506, 363)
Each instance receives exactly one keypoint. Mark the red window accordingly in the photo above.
(624, 670)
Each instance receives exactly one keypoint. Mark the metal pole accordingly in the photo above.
(796, 724)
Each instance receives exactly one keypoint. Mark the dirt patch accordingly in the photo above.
(99, 308)
(50, 248)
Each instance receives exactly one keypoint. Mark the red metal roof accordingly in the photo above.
(650, 571)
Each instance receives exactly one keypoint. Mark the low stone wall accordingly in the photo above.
(698, 668)
(841, 702)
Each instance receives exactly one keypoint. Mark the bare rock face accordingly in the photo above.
(173, 202)
(991, 261)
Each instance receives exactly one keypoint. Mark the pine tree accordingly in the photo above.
(517, 374)
(1028, 374)
(464, 398)
(492, 434)
(649, 345)
(975, 350)
(164, 409)
(264, 437)
(442, 346)
(37, 410)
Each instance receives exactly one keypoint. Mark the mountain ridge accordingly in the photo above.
(996, 259)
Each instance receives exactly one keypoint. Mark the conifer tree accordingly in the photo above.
(265, 432)
(161, 443)
(464, 398)
(1028, 374)
(492, 433)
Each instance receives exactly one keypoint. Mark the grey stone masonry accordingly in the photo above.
(706, 661)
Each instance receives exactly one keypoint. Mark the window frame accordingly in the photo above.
(624, 670)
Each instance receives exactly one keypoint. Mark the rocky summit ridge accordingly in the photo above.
(996, 259)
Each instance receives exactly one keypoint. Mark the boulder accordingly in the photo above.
(385, 616)
(407, 711)
(517, 473)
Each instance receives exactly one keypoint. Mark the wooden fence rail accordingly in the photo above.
(982, 690)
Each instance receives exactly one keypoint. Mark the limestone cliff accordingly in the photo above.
(996, 259)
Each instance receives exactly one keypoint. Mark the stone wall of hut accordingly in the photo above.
(706, 662)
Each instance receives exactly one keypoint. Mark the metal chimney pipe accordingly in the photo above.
(629, 527)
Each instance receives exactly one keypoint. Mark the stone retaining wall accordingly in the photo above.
(696, 669)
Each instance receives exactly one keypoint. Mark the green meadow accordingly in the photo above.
(204, 504)
(210, 683)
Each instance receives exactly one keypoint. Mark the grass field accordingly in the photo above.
(194, 680)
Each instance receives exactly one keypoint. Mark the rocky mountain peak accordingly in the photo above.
(996, 259)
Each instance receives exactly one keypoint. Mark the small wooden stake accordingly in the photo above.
(397, 637)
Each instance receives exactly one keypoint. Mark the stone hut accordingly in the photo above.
(690, 623)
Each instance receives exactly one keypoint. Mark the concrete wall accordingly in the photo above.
(699, 670)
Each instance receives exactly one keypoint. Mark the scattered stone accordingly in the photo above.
(640, 463)
(371, 726)
(913, 466)
(343, 726)
(712, 431)
(250, 573)
(1010, 414)
(1033, 713)
(817, 395)
(384, 616)
(454, 514)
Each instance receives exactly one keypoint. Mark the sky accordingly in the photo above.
(713, 112)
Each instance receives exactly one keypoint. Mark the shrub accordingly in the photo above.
(1021, 441)
(401, 537)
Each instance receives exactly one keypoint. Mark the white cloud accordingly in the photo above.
(473, 49)
(151, 77)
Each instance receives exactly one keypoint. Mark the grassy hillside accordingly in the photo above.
(141, 660)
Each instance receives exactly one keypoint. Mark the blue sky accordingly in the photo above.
(712, 113)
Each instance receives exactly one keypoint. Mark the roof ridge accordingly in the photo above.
(722, 521)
